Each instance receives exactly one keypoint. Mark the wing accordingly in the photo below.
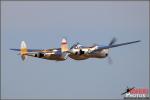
(115, 45)
(29, 50)
(32, 52)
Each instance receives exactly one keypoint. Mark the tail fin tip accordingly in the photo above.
(64, 45)
(23, 44)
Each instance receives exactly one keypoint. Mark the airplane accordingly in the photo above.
(80, 52)
(127, 90)
(58, 54)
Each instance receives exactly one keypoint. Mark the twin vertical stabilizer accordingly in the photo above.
(64, 45)
(23, 50)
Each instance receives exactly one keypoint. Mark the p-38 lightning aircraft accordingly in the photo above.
(79, 52)
(76, 52)
(58, 54)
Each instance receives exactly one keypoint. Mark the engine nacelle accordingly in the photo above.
(104, 52)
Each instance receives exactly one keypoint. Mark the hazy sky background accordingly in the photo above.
(42, 24)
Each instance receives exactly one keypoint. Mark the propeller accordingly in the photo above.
(74, 45)
(112, 41)
(110, 61)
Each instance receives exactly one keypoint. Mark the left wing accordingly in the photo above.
(115, 45)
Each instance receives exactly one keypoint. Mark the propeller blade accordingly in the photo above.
(110, 61)
(112, 41)
(74, 45)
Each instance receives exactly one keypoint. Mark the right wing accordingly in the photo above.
(29, 50)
